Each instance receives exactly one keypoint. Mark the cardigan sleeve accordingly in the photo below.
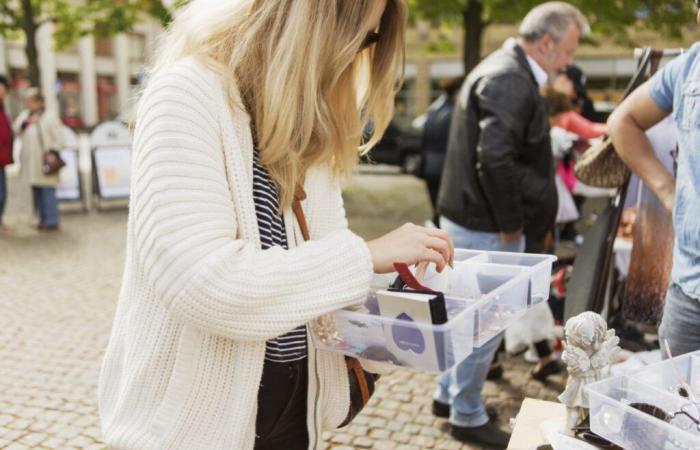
(185, 228)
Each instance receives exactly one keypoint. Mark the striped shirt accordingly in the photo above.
(292, 345)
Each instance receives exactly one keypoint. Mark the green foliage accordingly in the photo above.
(74, 19)
(614, 18)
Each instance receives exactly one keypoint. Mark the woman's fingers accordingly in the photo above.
(434, 257)
(440, 234)
(441, 246)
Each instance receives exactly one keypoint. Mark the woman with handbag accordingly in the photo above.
(252, 116)
(41, 132)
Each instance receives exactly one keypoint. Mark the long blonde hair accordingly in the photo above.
(297, 67)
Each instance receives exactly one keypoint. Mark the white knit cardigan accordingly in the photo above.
(199, 297)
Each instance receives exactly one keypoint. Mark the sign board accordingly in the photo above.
(111, 160)
(112, 166)
(110, 133)
(69, 177)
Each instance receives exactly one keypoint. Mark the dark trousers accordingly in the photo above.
(3, 192)
(281, 419)
(46, 205)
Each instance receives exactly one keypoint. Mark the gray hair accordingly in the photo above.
(554, 19)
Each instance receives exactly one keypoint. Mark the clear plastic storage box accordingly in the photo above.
(650, 409)
(487, 292)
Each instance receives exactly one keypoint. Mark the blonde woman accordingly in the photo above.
(39, 130)
(249, 98)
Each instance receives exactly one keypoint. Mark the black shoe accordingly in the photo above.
(442, 410)
(495, 372)
(551, 368)
(488, 434)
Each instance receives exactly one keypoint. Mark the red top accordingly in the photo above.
(5, 138)
(576, 123)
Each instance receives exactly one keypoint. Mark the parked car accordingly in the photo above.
(398, 147)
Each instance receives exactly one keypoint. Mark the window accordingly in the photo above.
(69, 99)
(103, 46)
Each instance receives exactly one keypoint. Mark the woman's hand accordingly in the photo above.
(411, 244)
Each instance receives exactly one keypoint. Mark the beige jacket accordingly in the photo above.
(31, 155)
(199, 298)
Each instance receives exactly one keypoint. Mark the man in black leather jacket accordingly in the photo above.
(499, 175)
(498, 188)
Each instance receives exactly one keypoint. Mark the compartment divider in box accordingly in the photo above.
(613, 417)
(505, 299)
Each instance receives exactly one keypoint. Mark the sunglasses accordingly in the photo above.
(373, 37)
(697, 4)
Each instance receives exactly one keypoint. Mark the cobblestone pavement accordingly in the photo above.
(56, 305)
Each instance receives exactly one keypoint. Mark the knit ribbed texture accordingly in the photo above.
(199, 297)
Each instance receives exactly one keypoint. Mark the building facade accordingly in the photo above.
(94, 80)
(97, 79)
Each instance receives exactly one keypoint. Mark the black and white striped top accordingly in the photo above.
(290, 346)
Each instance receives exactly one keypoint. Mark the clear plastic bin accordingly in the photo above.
(670, 375)
(539, 266)
(365, 334)
(616, 416)
(485, 296)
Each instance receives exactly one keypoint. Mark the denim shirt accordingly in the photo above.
(676, 89)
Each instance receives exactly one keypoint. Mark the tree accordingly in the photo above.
(72, 20)
(616, 18)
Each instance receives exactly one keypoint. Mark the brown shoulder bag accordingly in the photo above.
(361, 381)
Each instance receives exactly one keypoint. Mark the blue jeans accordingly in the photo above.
(46, 205)
(3, 192)
(680, 325)
(461, 386)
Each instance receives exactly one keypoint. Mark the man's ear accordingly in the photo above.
(545, 44)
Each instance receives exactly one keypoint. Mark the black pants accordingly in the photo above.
(281, 420)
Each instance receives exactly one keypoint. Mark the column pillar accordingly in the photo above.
(123, 76)
(47, 64)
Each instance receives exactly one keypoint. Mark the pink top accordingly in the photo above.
(576, 123)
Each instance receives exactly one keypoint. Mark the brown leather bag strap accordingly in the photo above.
(300, 195)
(354, 365)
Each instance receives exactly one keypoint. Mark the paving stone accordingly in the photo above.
(448, 444)
(33, 439)
(80, 442)
(423, 441)
(395, 426)
(362, 442)
(19, 424)
(17, 446)
(342, 438)
(5, 419)
(400, 437)
(380, 434)
(54, 442)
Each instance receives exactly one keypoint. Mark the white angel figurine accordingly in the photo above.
(588, 354)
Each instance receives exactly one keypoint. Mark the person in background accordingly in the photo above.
(571, 82)
(40, 130)
(564, 143)
(6, 140)
(672, 91)
(434, 144)
(581, 100)
(498, 184)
